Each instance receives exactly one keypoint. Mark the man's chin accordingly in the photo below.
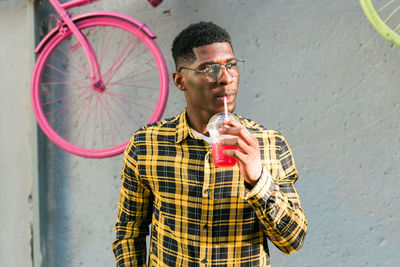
(231, 109)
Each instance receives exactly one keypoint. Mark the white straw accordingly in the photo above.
(226, 109)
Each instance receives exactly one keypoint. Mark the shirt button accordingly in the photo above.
(207, 157)
(207, 191)
(204, 260)
(206, 227)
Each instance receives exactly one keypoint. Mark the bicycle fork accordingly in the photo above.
(96, 78)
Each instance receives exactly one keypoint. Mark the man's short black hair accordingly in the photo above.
(199, 34)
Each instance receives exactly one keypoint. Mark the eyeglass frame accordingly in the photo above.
(204, 70)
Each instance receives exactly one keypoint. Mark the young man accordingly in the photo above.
(203, 215)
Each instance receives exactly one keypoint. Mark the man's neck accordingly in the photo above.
(198, 121)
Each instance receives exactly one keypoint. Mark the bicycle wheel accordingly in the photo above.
(384, 15)
(87, 122)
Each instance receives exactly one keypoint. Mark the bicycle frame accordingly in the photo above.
(76, 3)
(97, 82)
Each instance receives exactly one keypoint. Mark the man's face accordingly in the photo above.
(205, 97)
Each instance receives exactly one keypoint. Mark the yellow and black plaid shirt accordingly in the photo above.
(203, 215)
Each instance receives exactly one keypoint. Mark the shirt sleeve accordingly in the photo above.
(277, 203)
(134, 214)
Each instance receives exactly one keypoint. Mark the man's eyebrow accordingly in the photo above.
(206, 63)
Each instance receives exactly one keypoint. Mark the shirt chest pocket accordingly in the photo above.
(228, 184)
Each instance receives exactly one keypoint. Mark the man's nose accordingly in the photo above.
(226, 77)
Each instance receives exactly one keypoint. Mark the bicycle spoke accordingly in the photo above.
(145, 80)
(58, 83)
(119, 82)
(386, 5)
(134, 96)
(132, 58)
(95, 124)
(102, 124)
(94, 43)
(112, 125)
(126, 60)
(111, 69)
(54, 77)
(126, 102)
(68, 65)
(392, 14)
(62, 80)
(118, 49)
(84, 127)
(122, 55)
(64, 109)
(99, 52)
(103, 52)
(140, 54)
(133, 86)
(59, 99)
(52, 92)
(77, 62)
(128, 75)
(123, 122)
(126, 111)
(77, 117)
(62, 72)
(396, 28)
(65, 106)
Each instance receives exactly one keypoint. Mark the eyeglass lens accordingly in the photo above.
(215, 71)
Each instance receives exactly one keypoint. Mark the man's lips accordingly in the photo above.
(229, 98)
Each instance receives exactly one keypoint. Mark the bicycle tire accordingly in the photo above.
(134, 95)
(384, 16)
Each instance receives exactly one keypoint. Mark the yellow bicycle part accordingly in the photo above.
(380, 20)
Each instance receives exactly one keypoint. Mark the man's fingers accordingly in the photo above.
(236, 154)
(234, 128)
(232, 122)
(236, 142)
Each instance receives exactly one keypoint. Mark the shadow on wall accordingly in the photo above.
(53, 175)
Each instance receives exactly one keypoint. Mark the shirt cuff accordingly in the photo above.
(264, 187)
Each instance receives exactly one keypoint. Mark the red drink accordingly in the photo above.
(217, 122)
(219, 158)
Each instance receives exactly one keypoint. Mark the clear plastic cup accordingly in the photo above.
(219, 158)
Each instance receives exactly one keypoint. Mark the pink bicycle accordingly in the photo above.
(98, 77)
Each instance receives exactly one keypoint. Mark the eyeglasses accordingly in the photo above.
(213, 72)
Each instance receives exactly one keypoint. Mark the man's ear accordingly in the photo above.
(179, 80)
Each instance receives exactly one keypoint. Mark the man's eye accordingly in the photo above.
(212, 68)
(216, 68)
(205, 69)
(231, 64)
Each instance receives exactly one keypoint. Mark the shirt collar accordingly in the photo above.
(183, 129)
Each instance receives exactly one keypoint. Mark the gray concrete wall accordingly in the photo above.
(315, 70)
(17, 135)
